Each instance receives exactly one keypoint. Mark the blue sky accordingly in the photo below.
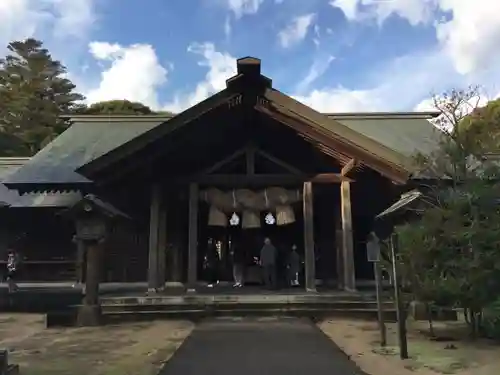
(335, 55)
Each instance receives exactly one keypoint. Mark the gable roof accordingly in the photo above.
(100, 140)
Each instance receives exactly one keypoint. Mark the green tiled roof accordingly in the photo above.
(93, 136)
(405, 133)
(86, 139)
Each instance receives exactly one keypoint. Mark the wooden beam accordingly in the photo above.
(154, 228)
(193, 238)
(347, 237)
(250, 159)
(346, 169)
(279, 162)
(218, 165)
(310, 258)
(260, 179)
(329, 178)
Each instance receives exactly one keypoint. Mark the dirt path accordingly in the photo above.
(360, 340)
(135, 349)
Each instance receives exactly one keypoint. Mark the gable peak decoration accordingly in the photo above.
(249, 74)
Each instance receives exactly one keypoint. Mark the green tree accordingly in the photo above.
(451, 254)
(120, 107)
(34, 92)
(483, 127)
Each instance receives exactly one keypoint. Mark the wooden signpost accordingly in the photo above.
(373, 254)
(400, 312)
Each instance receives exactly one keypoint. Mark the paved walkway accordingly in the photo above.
(262, 346)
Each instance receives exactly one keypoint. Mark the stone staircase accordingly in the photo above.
(317, 305)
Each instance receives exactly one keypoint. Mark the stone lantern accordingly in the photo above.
(92, 217)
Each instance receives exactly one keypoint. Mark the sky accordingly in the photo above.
(334, 55)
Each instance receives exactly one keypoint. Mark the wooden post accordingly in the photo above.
(80, 261)
(380, 305)
(339, 247)
(89, 313)
(162, 248)
(401, 316)
(176, 263)
(193, 238)
(310, 259)
(154, 225)
(347, 240)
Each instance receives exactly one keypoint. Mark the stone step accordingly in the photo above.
(256, 305)
(196, 314)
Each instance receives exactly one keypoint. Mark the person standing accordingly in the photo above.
(238, 267)
(12, 269)
(294, 266)
(213, 263)
(268, 263)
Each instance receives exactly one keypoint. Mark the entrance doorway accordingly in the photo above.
(223, 248)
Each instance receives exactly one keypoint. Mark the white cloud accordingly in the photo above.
(470, 35)
(220, 66)
(296, 30)
(134, 73)
(242, 7)
(73, 17)
(317, 69)
(415, 11)
(20, 19)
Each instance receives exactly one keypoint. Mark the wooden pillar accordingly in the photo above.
(339, 247)
(310, 266)
(80, 261)
(162, 248)
(193, 238)
(176, 263)
(347, 239)
(154, 231)
(89, 313)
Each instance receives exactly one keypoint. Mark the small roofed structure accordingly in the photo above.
(92, 217)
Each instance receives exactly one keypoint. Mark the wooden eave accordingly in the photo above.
(334, 136)
(89, 170)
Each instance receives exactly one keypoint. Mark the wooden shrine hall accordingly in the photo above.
(225, 157)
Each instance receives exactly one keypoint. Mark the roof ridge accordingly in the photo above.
(165, 117)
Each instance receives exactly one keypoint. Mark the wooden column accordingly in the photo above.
(193, 238)
(80, 261)
(310, 266)
(347, 239)
(176, 263)
(154, 232)
(162, 248)
(339, 247)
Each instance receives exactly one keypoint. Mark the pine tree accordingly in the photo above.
(34, 93)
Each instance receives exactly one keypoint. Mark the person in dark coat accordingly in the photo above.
(268, 263)
(12, 269)
(293, 266)
(213, 263)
